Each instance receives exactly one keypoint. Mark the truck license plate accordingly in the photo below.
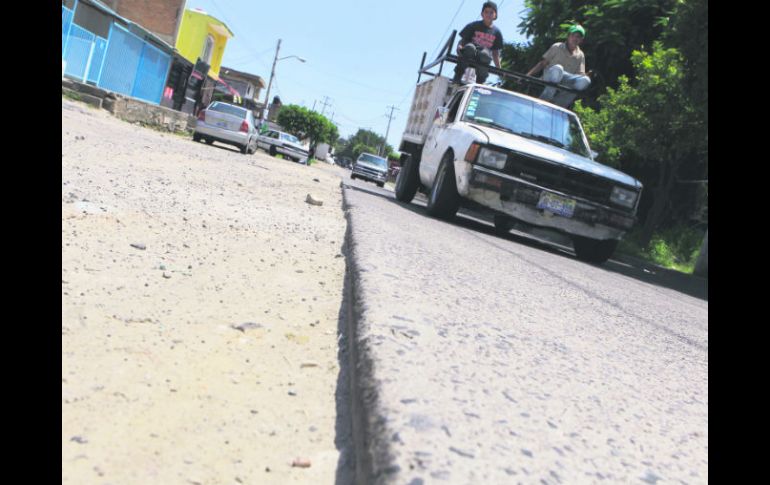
(556, 204)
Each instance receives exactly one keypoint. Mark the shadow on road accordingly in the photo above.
(690, 285)
(343, 439)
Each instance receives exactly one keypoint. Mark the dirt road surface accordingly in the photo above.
(200, 303)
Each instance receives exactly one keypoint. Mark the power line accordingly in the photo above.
(350, 80)
(442, 40)
(242, 43)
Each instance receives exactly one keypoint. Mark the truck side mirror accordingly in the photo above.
(441, 114)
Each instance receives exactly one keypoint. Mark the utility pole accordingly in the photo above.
(270, 83)
(387, 132)
(325, 103)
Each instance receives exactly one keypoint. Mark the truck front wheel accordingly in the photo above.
(408, 179)
(592, 250)
(443, 200)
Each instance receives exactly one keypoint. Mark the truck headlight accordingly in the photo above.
(492, 158)
(623, 197)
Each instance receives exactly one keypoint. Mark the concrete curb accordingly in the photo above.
(129, 109)
(373, 456)
(83, 97)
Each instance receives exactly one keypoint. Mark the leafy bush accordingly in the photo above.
(676, 248)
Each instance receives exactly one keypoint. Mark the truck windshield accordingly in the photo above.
(526, 118)
(371, 159)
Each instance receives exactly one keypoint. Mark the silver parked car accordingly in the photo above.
(275, 142)
(229, 124)
(370, 167)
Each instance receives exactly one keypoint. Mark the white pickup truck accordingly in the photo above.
(525, 160)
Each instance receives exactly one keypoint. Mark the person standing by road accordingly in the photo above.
(564, 63)
(480, 41)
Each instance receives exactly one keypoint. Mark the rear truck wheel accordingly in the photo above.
(408, 179)
(244, 148)
(273, 151)
(353, 177)
(380, 184)
(503, 225)
(196, 137)
(209, 141)
(443, 200)
(593, 250)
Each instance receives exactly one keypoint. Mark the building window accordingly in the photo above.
(208, 49)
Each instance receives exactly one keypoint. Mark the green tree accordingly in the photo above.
(689, 32)
(363, 141)
(646, 129)
(306, 124)
(614, 29)
(360, 148)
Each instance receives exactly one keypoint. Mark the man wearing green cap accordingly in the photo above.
(564, 63)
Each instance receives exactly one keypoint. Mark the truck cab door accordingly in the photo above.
(439, 137)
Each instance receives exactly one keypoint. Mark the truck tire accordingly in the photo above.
(592, 250)
(443, 200)
(408, 180)
(273, 151)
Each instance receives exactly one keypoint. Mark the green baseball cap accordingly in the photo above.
(577, 28)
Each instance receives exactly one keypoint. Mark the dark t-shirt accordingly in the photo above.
(482, 36)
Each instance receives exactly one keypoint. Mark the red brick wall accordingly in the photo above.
(157, 16)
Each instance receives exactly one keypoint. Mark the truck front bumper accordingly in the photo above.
(519, 198)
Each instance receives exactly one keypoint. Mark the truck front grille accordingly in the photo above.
(368, 172)
(560, 178)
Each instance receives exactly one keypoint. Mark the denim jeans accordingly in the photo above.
(557, 74)
(470, 53)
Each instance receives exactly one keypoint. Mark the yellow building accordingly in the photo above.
(205, 37)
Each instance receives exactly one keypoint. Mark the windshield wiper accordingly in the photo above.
(544, 139)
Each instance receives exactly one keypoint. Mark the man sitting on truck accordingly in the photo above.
(480, 42)
(564, 63)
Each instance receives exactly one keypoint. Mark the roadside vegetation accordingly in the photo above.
(676, 248)
(71, 95)
(363, 141)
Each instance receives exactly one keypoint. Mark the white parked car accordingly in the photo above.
(229, 124)
(275, 142)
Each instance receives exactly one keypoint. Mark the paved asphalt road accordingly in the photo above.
(482, 359)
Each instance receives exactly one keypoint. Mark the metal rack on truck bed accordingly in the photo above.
(526, 83)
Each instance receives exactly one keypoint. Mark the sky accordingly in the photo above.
(362, 56)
